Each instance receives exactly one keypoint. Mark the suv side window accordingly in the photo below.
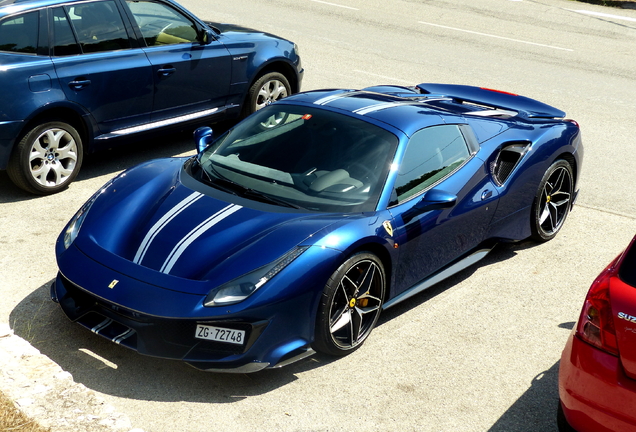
(431, 154)
(20, 33)
(162, 25)
(99, 26)
(64, 42)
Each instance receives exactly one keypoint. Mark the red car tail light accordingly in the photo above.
(596, 324)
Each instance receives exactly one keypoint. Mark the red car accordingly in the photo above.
(597, 375)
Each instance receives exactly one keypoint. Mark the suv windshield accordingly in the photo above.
(311, 158)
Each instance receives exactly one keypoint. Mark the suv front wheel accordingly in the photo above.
(266, 89)
(47, 159)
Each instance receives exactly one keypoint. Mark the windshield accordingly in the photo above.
(307, 157)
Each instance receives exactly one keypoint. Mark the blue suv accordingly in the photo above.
(80, 76)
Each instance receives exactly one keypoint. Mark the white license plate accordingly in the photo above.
(220, 334)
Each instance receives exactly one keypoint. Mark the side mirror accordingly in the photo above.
(436, 199)
(203, 136)
(206, 37)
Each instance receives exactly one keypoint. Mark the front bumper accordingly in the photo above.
(160, 322)
(173, 338)
(595, 393)
(149, 335)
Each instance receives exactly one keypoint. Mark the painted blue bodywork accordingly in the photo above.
(126, 89)
(107, 272)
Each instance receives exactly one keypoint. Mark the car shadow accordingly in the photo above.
(111, 369)
(119, 158)
(536, 409)
(501, 252)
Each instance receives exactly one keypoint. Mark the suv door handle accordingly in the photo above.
(78, 84)
(166, 71)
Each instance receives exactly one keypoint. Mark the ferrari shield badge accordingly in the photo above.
(387, 226)
(113, 283)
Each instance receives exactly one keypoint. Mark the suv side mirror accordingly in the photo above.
(206, 37)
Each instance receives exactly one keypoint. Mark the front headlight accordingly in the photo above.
(240, 288)
(72, 230)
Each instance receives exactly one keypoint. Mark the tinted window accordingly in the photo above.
(431, 155)
(162, 25)
(64, 42)
(98, 26)
(312, 158)
(20, 34)
(627, 271)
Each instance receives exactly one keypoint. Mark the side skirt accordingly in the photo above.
(162, 123)
(438, 277)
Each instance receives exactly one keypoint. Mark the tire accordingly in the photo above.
(47, 159)
(350, 305)
(266, 89)
(552, 202)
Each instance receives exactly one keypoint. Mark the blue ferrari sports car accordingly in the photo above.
(291, 232)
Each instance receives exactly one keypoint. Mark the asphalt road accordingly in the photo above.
(478, 352)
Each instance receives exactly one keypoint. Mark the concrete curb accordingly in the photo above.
(48, 394)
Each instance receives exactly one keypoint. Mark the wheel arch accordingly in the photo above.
(280, 66)
(65, 114)
(571, 160)
(383, 255)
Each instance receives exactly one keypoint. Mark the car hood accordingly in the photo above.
(147, 217)
(237, 32)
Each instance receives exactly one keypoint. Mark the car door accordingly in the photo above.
(439, 164)
(97, 66)
(190, 76)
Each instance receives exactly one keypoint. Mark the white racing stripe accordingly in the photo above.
(197, 232)
(161, 223)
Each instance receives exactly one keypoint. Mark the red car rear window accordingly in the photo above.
(627, 272)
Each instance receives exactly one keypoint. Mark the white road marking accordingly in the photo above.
(106, 362)
(333, 4)
(604, 15)
(495, 36)
(382, 76)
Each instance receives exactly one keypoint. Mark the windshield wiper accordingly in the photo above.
(251, 193)
(234, 188)
(218, 181)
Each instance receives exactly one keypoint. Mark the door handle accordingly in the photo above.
(166, 71)
(78, 84)
(486, 194)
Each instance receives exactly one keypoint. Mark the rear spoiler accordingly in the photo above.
(492, 98)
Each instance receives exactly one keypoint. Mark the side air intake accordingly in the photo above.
(506, 161)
